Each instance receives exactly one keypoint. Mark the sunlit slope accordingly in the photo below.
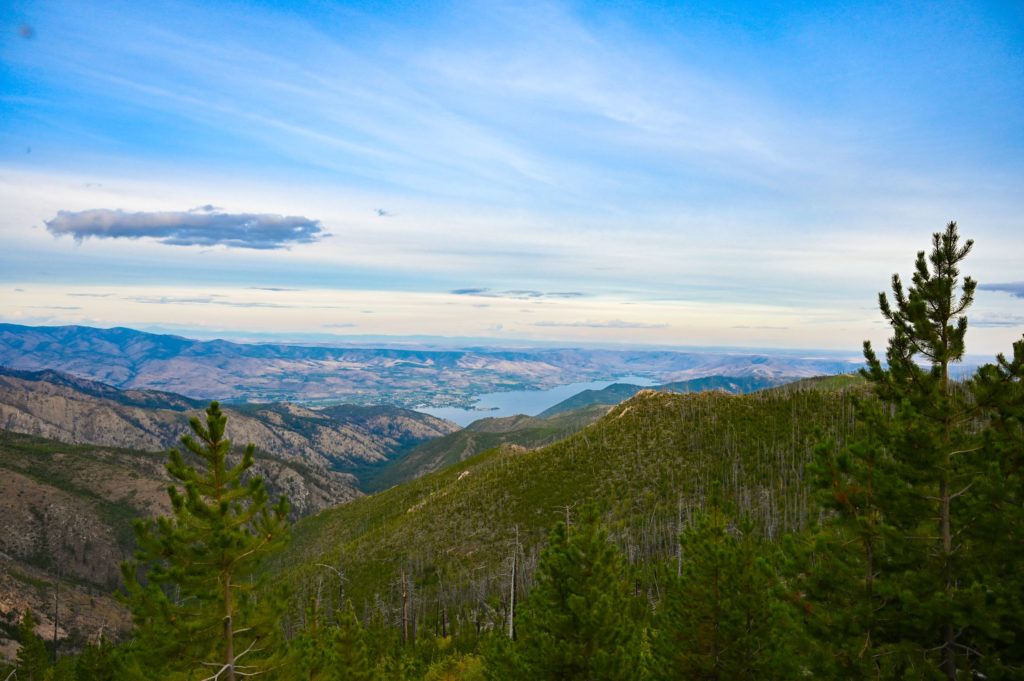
(647, 461)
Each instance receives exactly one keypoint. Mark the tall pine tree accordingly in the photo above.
(195, 604)
(888, 572)
(926, 437)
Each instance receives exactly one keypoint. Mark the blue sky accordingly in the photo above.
(746, 173)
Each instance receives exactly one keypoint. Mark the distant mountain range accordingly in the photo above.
(239, 372)
(329, 445)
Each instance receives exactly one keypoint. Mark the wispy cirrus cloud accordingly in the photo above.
(997, 320)
(202, 300)
(1014, 288)
(260, 231)
(609, 324)
(226, 302)
(517, 294)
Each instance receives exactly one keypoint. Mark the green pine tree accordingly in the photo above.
(844, 600)
(996, 540)
(32, 660)
(577, 622)
(195, 604)
(62, 670)
(724, 618)
(331, 653)
(932, 452)
(96, 662)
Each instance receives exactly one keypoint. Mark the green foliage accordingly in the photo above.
(33, 660)
(63, 670)
(96, 662)
(457, 668)
(923, 505)
(577, 623)
(333, 653)
(196, 606)
(724, 617)
(997, 507)
(928, 450)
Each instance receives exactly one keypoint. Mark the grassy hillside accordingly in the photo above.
(560, 421)
(647, 463)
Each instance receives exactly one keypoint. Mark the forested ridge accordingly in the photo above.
(864, 527)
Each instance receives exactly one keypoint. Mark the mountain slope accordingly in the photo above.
(66, 515)
(557, 422)
(73, 410)
(647, 464)
(479, 436)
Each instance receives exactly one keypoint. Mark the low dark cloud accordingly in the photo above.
(234, 230)
(272, 288)
(517, 294)
(1014, 288)
(90, 295)
(610, 324)
(340, 325)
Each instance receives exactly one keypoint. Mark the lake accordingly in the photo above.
(529, 402)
